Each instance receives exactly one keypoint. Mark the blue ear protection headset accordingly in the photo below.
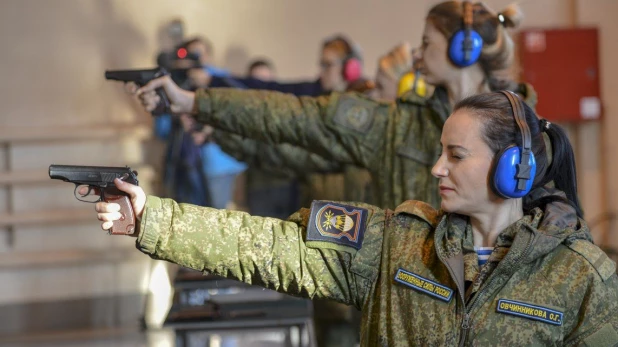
(466, 44)
(514, 167)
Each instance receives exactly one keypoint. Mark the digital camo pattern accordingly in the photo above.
(257, 250)
(320, 178)
(283, 158)
(397, 142)
(534, 264)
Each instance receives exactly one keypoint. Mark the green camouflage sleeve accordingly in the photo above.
(283, 159)
(348, 128)
(596, 322)
(263, 251)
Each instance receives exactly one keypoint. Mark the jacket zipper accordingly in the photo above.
(465, 324)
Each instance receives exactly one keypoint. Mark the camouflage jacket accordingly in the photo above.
(397, 142)
(412, 271)
(283, 159)
(321, 179)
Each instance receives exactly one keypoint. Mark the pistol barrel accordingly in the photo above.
(101, 176)
(137, 76)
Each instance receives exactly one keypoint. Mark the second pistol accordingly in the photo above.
(141, 78)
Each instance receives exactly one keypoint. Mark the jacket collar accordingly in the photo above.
(535, 235)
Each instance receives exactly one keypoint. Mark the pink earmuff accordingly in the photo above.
(352, 70)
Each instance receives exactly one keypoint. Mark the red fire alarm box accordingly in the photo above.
(563, 67)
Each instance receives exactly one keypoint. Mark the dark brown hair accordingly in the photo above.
(344, 47)
(499, 131)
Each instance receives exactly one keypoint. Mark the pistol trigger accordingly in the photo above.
(88, 192)
(75, 191)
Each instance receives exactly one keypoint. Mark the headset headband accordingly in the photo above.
(523, 168)
(468, 18)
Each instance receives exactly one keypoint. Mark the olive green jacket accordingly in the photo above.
(321, 179)
(283, 158)
(412, 271)
(397, 142)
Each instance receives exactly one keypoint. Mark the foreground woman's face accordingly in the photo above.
(463, 166)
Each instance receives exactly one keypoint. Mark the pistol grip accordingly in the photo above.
(164, 105)
(126, 224)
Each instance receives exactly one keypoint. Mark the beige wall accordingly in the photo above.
(601, 13)
(55, 52)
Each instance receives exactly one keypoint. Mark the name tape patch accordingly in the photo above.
(535, 312)
(337, 223)
(424, 285)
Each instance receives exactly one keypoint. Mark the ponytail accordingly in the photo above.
(557, 168)
(562, 168)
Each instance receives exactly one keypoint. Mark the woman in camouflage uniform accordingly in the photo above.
(416, 272)
(395, 141)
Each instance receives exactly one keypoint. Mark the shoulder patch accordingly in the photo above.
(596, 257)
(419, 209)
(337, 226)
(355, 113)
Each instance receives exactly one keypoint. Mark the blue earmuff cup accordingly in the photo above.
(456, 48)
(504, 180)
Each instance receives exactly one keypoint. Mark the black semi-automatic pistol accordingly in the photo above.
(141, 78)
(101, 178)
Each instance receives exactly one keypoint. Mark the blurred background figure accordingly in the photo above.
(341, 64)
(202, 48)
(196, 169)
(261, 69)
(191, 65)
(170, 36)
